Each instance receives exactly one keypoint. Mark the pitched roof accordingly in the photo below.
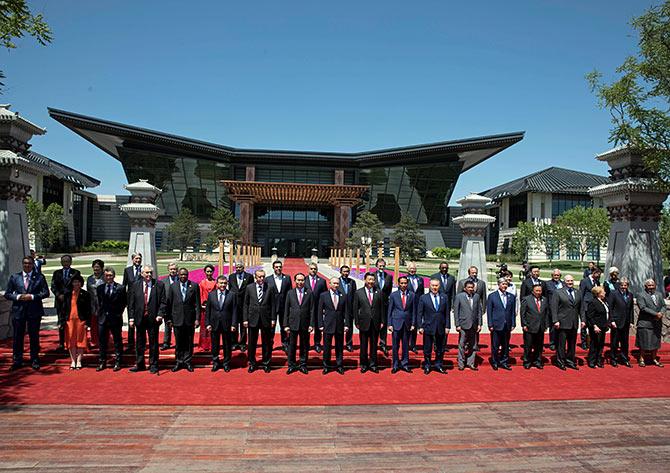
(61, 171)
(555, 180)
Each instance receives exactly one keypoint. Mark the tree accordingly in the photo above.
(183, 231)
(409, 238)
(664, 232)
(224, 226)
(47, 225)
(366, 231)
(525, 235)
(551, 237)
(586, 229)
(638, 101)
(16, 20)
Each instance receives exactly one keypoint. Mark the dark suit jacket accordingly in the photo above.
(330, 318)
(155, 307)
(239, 289)
(221, 318)
(448, 289)
(397, 316)
(527, 287)
(110, 308)
(83, 307)
(585, 287)
(419, 289)
(430, 320)
(553, 286)
(596, 315)
(365, 314)
(498, 316)
(564, 311)
(37, 286)
(183, 312)
(387, 289)
(286, 286)
(621, 311)
(59, 285)
(351, 283)
(259, 314)
(535, 320)
(319, 287)
(298, 316)
(129, 277)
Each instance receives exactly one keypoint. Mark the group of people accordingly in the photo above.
(233, 312)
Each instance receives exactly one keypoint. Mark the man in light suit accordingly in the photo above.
(26, 290)
(432, 320)
(415, 286)
(298, 323)
(259, 310)
(331, 314)
(534, 310)
(60, 283)
(650, 323)
(112, 301)
(237, 283)
(401, 323)
(280, 285)
(468, 322)
(348, 288)
(480, 289)
(501, 319)
(221, 322)
(183, 313)
(567, 319)
(368, 314)
(620, 303)
(384, 284)
(172, 278)
(132, 274)
(317, 286)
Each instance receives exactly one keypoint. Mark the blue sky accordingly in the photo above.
(328, 76)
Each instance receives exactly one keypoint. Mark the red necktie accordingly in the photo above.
(403, 301)
(370, 297)
(25, 282)
(313, 283)
(537, 302)
(335, 301)
(299, 297)
(146, 299)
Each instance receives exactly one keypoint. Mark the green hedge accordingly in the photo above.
(106, 245)
(446, 253)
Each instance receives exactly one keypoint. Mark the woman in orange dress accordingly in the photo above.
(207, 285)
(76, 315)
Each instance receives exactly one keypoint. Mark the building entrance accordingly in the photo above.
(294, 231)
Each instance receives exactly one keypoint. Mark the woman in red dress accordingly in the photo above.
(75, 317)
(207, 285)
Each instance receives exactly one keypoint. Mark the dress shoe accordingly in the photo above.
(394, 370)
(426, 370)
(441, 370)
(101, 367)
(165, 346)
(176, 368)
(626, 363)
(552, 347)
(349, 348)
(303, 370)
(526, 366)
(153, 370)
(291, 370)
(561, 366)
(495, 367)
(243, 349)
(656, 362)
(592, 366)
(266, 369)
(572, 366)
(136, 368)
(340, 370)
(641, 363)
(406, 369)
(506, 367)
(35, 365)
(414, 350)
(189, 368)
(600, 364)
(318, 348)
(539, 366)
(15, 366)
(385, 351)
(473, 368)
(252, 368)
(461, 368)
(325, 371)
(583, 346)
(364, 369)
(215, 367)
(226, 368)
(374, 369)
(235, 347)
(614, 363)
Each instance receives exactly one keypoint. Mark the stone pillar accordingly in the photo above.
(142, 213)
(247, 219)
(633, 201)
(473, 224)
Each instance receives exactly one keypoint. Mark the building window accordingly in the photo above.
(105, 207)
(562, 203)
(518, 210)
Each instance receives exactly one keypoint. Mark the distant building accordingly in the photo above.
(539, 197)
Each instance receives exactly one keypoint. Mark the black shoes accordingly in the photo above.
(291, 370)
(394, 370)
(15, 366)
(35, 365)
(614, 363)
(165, 346)
(560, 366)
(495, 367)
(117, 366)
(226, 368)
(349, 348)
(506, 367)
(318, 348)
(189, 368)
(325, 371)
(266, 369)
(153, 370)
(176, 368)
(364, 369)
(592, 366)
(572, 366)
(473, 368)
(374, 369)
(626, 363)
(406, 369)
(252, 368)
(136, 369)
(340, 370)
(426, 370)
(215, 367)
(303, 370)
(101, 367)
(441, 370)
(526, 366)
(539, 366)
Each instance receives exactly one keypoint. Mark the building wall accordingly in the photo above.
(109, 223)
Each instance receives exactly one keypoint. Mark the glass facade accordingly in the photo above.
(518, 210)
(294, 231)
(561, 203)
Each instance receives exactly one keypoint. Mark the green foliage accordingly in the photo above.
(550, 238)
(448, 254)
(665, 234)
(47, 225)
(525, 235)
(409, 238)
(367, 228)
(585, 229)
(106, 245)
(639, 100)
(224, 225)
(183, 231)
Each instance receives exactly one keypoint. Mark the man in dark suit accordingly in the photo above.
(531, 281)
(132, 274)
(384, 284)
(146, 309)
(348, 288)
(258, 317)
(620, 303)
(238, 283)
(26, 290)
(298, 323)
(368, 313)
(172, 278)
(400, 324)
(416, 287)
(534, 310)
(567, 319)
(183, 313)
(281, 285)
(112, 302)
(447, 282)
(60, 282)
(585, 287)
(589, 270)
(480, 289)
(221, 321)
(468, 322)
(317, 286)
(432, 320)
(332, 314)
(553, 285)
(501, 319)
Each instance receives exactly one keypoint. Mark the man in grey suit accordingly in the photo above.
(566, 317)
(468, 321)
(480, 289)
(650, 323)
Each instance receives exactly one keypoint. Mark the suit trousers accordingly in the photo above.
(596, 346)
(283, 336)
(398, 337)
(466, 347)
(553, 336)
(131, 337)
(428, 341)
(61, 336)
(318, 336)
(241, 334)
(619, 338)
(532, 347)
(565, 349)
(583, 333)
(295, 337)
(412, 338)
(328, 347)
(167, 335)
(222, 336)
(183, 340)
(500, 347)
(19, 325)
(349, 336)
(267, 339)
(104, 330)
(383, 330)
(369, 341)
(142, 332)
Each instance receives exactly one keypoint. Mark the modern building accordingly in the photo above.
(292, 200)
(49, 181)
(540, 198)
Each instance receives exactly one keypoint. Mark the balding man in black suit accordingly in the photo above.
(259, 316)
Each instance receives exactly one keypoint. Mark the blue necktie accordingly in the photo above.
(220, 299)
(183, 292)
(435, 303)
